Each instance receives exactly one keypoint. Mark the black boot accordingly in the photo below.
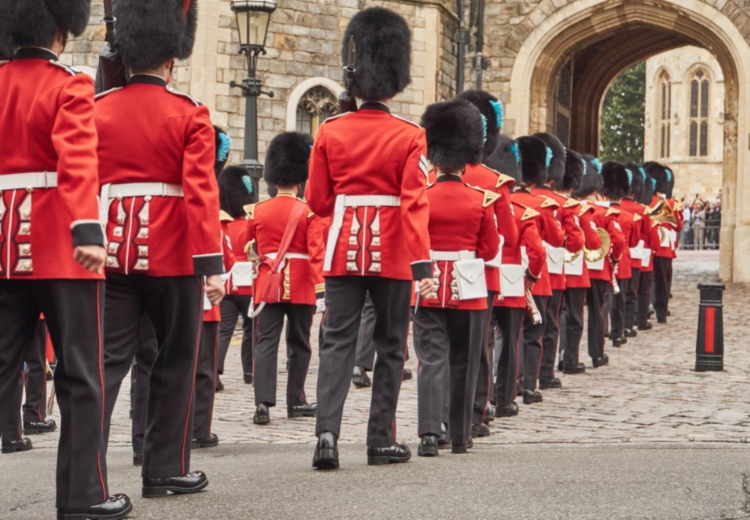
(22, 444)
(531, 397)
(546, 384)
(184, 485)
(117, 507)
(360, 379)
(326, 452)
(262, 415)
(301, 410)
(428, 446)
(580, 368)
(32, 428)
(209, 442)
(509, 410)
(377, 456)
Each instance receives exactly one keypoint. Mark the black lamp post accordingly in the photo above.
(253, 19)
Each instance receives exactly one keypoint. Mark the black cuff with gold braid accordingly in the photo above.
(206, 265)
(87, 233)
(421, 269)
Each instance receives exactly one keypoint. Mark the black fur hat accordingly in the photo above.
(36, 22)
(235, 190)
(592, 181)
(573, 175)
(287, 158)
(648, 188)
(505, 158)
(455, 134)
(491, 109)
(662, 175)
(639, 178)
(616, 180)
(556, 168)
(382, 41)
(535, 159)
(152, 32)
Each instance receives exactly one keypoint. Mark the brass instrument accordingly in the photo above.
(613, 281)
(594, 255)
(572, 257)
(662, 213)
(532, 309)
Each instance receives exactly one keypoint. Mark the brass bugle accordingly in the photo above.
(532, 309)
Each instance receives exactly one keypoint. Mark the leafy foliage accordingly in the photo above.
(622, 119)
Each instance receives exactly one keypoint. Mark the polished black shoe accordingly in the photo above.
(137, 459)
(480, 430)
(618, 342)
(605, 359)
(662, 321)
(532, 396)
(428, 446)
(219, 384)
(630, 333)
(647, 326)
(209, 442)
(580, 368)
(489, 414)
(377, 456)
(546, 384)
(248, 376)
(22, 444)
(301, 410)
(444, 441)
(326, 452)
(360, 379)
(116, 507)
(184, 485)
(461, 449)
(509, 410)
(262, 416)
(32, 428)
(407, 375)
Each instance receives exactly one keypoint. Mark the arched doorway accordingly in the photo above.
(596, 40)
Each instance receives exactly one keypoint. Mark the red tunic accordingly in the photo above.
(151, 133)
(371, 152)
(47, 125)
(592, 242)
(265, 226)
(462, 218)
(530, 241)
(236, 230)
(644, 223)
(630, 228)
(667, 244)
(606, 218)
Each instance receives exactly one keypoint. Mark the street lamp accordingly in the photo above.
(253, 19)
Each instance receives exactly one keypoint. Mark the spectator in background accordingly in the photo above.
(698, 224)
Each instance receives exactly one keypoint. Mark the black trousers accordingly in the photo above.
(35, 406)
(573, 331)
(205, 380)
(145, 356)
(644, 298)
(365, 356)
(551, 336)
(345, 297)
(532, 344)
(269, 324)
(174, 306)
(232, 307)
(595, 304)
(510, 323)
(12, 430)
(484, 376)
(73, 310)
(454, 337)
(631, 300)
(662, 275)
(618, 308)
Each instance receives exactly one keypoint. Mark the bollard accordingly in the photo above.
(709, 345)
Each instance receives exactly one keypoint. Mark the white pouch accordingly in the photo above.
(575, 268)
(512, 281)
(243, 274)
(646, 258)
(470, 280)
(595, 266)
(555, 259)
(636, 253)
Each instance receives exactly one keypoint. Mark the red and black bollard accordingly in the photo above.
(709, 346)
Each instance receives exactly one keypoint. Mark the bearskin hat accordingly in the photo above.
(382, 40)
(223, 145)
(616, 180)
(152, 32)
(662, 175)
(648, 188)
(36, 22)
(592, 181)
(573, 175)
(556, 168)
(535, 159)
(505, 158)
(287, 158)
(455, 134)
(235, 190)
(639, 178)
(491, 109)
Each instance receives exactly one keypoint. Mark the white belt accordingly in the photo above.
(339, 210)
(134, 189)
(21, 181)
(287, 256)
(452, 256)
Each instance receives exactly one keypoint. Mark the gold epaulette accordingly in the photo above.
(584, 209)
(550, 203)
(636, 217)
(311, 214)
(571, 203)
(529, 213)
(225, 217)
(490, 197)
(612, 211)
(501, 177)
(250, 210)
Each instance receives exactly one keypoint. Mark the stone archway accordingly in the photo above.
(608, 36)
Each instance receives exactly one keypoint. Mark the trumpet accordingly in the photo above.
(662, 212)
(613, 281)
(532, 309)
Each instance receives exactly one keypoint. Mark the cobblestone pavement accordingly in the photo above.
(648, 393)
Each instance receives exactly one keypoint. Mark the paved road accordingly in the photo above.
(645, 437)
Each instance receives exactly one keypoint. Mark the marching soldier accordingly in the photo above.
(449, 326)
(368, 171)
(160, 207)
(535, 160)
(492, 180)
(281, 234)
(48, 184)
(647, 267)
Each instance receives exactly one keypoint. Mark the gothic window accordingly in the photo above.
(664, 111)
(699, 95)
(316, 105)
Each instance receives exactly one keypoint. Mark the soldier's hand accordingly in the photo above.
(426, 287)
(214, 289)
(91, 258)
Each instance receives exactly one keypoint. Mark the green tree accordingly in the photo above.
(623, 117)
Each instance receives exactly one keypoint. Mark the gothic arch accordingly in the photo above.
(300, 90)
